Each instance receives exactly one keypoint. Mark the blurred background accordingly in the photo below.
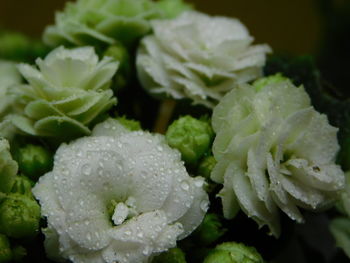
(317, 27)
(286, 25)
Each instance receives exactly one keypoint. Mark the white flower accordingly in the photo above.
(119, 197)
(274, 151)
(198, 57)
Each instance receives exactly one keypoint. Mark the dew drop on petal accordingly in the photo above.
(204, 205)
(185, 186)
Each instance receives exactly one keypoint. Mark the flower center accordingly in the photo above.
(120, 211)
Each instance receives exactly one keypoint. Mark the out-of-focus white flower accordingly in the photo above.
(92, 22)
(274, 151)
(68, 91)
(119, 196)
(198, 57)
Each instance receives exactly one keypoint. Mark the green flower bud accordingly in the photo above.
(340, 229)
(23, 185)
(120, 53)
(173, 255)
(18, 47)
(206, 165)
(263, 82)
(34, 160)
(209, 231)
(231, 252)
(5, 250)
(19, 216)
(131, 125)
(8, 167)
(173, 8)
(192, 137)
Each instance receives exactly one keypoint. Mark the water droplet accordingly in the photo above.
(86, 169)
(185, 186)
(198, 182)
(204, 205)
(145, 251)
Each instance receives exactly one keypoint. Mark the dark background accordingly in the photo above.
(287, 25)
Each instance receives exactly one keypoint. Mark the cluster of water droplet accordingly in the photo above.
(119, 198)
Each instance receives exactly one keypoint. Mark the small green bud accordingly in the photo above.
(209, 231)
(262, 82)
(206, 165)
(34, 160)
(121, 54)
(192, 137)
(23, 185)
(231, 252)
(173, 255)
(18, 47)
(5, 250)
(19, 216)
(131, 125)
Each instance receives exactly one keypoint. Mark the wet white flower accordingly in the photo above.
(274, 151)
(198, 57)
(118, 196)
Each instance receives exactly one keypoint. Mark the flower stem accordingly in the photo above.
(165, 113)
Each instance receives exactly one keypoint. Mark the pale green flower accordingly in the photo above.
(8, 167)
(9, 76)
(69, 91)
(273, 150)
(198, 57)
(107, 21)
(119, 196)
